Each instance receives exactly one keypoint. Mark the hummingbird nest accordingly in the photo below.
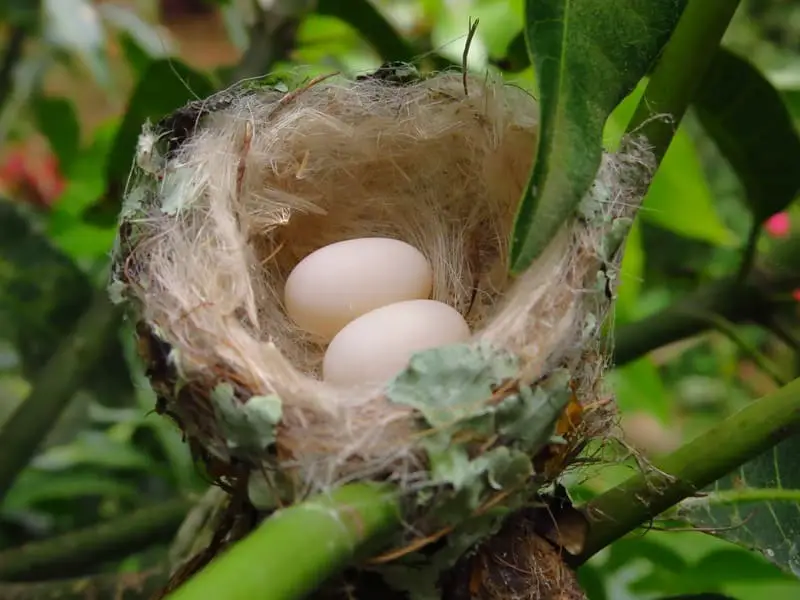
(229, 194)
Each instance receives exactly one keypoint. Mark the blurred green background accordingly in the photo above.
(78, 78)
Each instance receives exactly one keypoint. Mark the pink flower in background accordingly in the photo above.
(796, 294)
(778, 225)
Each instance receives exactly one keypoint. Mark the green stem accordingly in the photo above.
(728, 497)
(120, 586)
(733, 301)
(298, 548)
(55, 385)
(785, 332)
(680, 70)
(74, 552)
(728, 329)
(723, 448)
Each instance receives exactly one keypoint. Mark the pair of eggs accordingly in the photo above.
(369, 297)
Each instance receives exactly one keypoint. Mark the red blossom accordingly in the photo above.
(31, 176)
(778, 225)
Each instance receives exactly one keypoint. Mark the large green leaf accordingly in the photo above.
(42, 295)
(588, 55)
(57, 121)
(166, 85)
(753, 129)
(638, 387)
(757, 506)
(36, 487)
(679, 198)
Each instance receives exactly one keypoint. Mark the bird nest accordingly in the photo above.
(230, 193)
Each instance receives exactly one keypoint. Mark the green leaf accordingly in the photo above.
(588, 56)
(749, 122)
(757, 506)
(792, 100)
(712, 572)
(627, 550)
(57, 121)
(631, 274)
(93, 448)
(138, 60)
(86, 180)
(42, 293)
(516, 58)
(42, 296)
(679, 198)
(166, 85)
(638, 386)
(36, 487)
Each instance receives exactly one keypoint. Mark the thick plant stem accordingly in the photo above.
(679, 72)
(120, 586)
(54, 387)
(738, 439)
(73, 553)
(296, 549)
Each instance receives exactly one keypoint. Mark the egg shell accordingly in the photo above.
(379, 344)
(342, 281)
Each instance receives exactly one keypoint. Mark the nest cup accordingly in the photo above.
(229, 194)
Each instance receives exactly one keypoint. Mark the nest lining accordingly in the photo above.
(270, 177)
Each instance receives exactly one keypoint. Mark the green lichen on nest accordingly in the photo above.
(249, 426)
(480, 447)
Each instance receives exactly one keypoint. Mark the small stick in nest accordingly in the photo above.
(295, 93)
(247, 141)
(473, 27)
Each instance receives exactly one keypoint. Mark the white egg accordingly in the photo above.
(378, 345)
(340, 282)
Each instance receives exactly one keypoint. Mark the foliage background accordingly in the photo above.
(81, 79)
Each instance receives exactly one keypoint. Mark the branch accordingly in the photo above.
(74, 552)
(297, 548)
(56, 383)
(679, 72)
(729, 299)
(747, 349)
(717, 452)
(120, 586)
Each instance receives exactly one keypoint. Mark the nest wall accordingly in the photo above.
(215, 221)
